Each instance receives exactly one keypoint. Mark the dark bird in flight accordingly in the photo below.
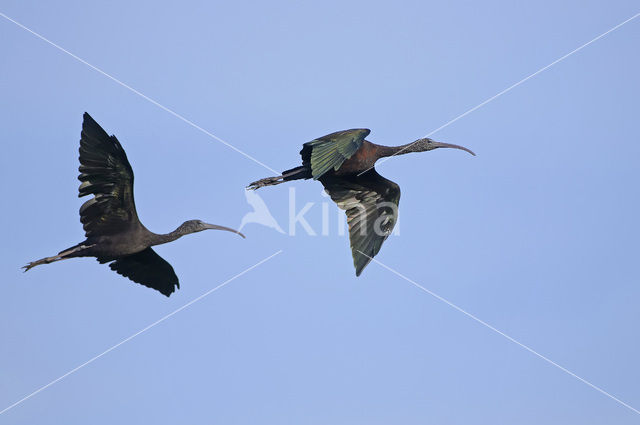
(114, 233)
(344, 164)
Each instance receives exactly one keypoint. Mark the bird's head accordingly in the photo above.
(427, 144)
(193, 226)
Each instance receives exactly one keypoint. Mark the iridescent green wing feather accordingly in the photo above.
(330, 151)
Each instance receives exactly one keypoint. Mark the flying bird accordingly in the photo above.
(344, 163)
(113, 232)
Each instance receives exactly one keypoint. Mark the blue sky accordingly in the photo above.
(537, 235)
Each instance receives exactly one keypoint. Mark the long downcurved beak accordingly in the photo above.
(449, 145)
(228, 229)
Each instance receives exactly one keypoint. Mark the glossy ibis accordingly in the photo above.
(344, 164)
(114, 234)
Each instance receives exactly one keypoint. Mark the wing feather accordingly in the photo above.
(330, 151)
(106, 174)
(371, 204)
(149, 269)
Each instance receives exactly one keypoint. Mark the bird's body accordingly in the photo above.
(364, 158)
(344, 163)
(113, 231)
(111, 247)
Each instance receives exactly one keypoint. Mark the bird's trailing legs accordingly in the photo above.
(62, 255)
(267, 181)
(293, 174)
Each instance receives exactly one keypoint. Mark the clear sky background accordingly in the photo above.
(537, 235)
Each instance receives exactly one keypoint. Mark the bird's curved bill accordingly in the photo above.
(228, 229)
(450, 145)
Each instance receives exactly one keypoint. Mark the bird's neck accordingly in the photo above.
(402, 149)
(159, 239)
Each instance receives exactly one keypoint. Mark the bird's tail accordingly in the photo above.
(74, 251)
(293, 174)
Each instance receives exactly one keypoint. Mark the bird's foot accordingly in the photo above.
(46, 260)
(268, 181)
(30, 266)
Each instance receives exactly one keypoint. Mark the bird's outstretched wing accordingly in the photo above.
(332, 150)
(149, 269)
(371, 204)
(106, 174)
